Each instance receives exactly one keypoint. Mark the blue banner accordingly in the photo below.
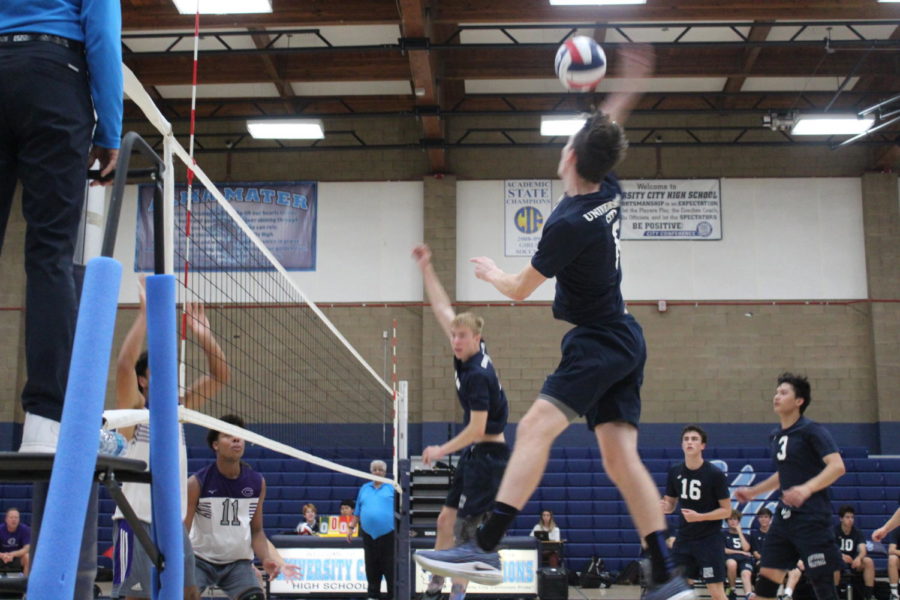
(282, 214)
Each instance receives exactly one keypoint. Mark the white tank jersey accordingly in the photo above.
(220, 532)
(138, 494)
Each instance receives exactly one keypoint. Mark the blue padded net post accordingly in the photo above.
(165, 435)
(56, 557)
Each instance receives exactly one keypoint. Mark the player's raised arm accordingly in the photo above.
(635, 61)
(209, 384)
(437, 295)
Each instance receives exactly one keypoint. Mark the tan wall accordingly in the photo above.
(707, 363)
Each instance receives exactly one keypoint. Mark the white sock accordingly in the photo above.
(894, 589)
(788, 592)
(39, 434)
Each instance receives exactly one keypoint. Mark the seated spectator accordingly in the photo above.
(310, 523)
(15, 543)
(852, 545)
(550, 554)
(738, 558)
(893, 544)
(347, 507)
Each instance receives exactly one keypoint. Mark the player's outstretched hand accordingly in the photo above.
(197, 322)
(291, 572)
(422, 255)
(879, 534)
(484, 266)
(742, 494)
(796, 495)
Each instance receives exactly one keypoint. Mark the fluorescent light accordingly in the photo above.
(223, 7)
(561, 125)
(602, 2)
(832, 125)
(287, 129)
(889, 0)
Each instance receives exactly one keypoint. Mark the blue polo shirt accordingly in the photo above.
(98, 25)
(375, 508)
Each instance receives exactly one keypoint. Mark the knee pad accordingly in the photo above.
(252, 594)
(766, 588)
(822, 582)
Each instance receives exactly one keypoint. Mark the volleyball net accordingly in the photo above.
(252, 343)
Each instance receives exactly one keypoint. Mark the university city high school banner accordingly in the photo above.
(282, 214)
(671, 209)
(527, 204)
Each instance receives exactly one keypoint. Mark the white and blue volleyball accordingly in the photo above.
(580, 63)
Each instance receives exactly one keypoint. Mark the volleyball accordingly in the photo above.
(580, 63)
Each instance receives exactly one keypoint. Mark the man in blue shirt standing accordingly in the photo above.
(375, 516)
(601, 370)
(60, 61)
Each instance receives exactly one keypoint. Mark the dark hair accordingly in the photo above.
(350, 503)
(599, 146)
(696, 428)
(764, 511)
(846, 509)
(801, 388)
(212, 435)
(140, 367)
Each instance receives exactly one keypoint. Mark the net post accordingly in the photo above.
(403, 573)
(402, 419)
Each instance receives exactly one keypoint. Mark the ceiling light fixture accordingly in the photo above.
(599, 2)
(223, 7)
(286, 129)
(554, 125)
(828, 124)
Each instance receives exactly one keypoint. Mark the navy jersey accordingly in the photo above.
(700, 491)
(797, 453)
(848, 543)
(733, 542)
(478, 388)
(580, 247)
(757, 541)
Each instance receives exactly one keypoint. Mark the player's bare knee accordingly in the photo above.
(446, 520)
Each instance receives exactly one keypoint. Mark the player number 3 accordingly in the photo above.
(782, 448)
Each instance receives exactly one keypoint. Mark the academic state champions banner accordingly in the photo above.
(527, 204)
(282, 214)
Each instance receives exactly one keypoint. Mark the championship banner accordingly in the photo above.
(325, 570)
(283, 215)
(671, 209)
(527, 204)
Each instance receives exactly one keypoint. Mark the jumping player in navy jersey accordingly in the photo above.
(702, 491)
(806, 461)
(485, 410)
(225, 519)
(601, 370)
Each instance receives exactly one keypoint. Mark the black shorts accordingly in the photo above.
(794, 536)
(477, 478)
(600, 373)
(703, 558)
(744, 563)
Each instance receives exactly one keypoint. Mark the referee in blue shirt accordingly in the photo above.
(375, 517)
(60, 62)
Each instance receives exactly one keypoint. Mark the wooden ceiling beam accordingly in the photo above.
(262, 40)
(758, 33)
(414, 26)
(161, 14)
(540, 11)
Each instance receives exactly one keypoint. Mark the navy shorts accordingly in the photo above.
(744, 563)
(703, 558)
(600, 374)
(803, 536)
(477, 478)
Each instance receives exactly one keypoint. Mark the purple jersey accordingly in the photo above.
(10, 541)
(220, 532)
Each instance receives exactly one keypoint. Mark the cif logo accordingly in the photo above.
(528, 219)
